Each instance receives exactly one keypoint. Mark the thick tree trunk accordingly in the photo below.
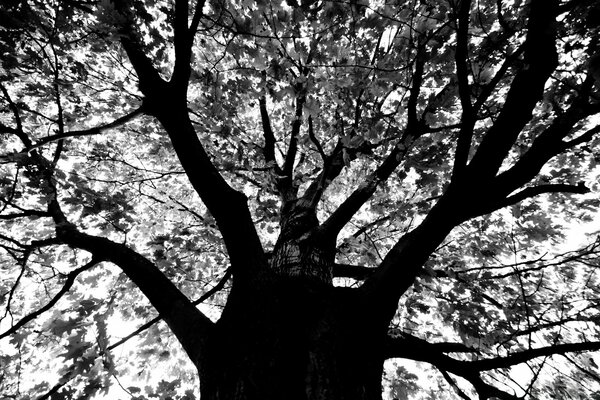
(293, 338)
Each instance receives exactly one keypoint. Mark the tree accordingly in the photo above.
(356, 181)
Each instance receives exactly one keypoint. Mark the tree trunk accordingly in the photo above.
(293, 338)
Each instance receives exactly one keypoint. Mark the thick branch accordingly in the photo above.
(540, 59)
(168, 103)
(332, 167)
(464, 90)
(183, 40)
(351, 271)
(269, 149)
(288, 192)
(25, 213)
(227, 206)
(547, 145)
(196, 18)
(149, 78)
(187, 323)
(219, 286)
(526, 355)
(420, 350)
(403, 262)
(420, 345)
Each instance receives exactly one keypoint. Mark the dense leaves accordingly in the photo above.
(450, 146)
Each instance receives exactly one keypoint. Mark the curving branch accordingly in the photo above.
(187, 323)
(416, 349)
(410, 347)
(218, 287)
(167, 101)
(453, 384)
(88, 132)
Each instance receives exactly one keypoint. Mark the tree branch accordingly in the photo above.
(288, 191)
(414, 129)
(413, 348)
(89, 132)
(65, 288)
(227, 205)
(168, 103)
(269, 149)
(540, 60)
(418, 345)
(187, 323)
(219, 286)
(351, 271)
(190, 326)
(183, 41)
(25, 213)
(416, 349)
(540, 189)
(467, 119)
(452, 383)
(526, 355)
(583, 138)
(313, 138)
(149, 79)
(196, 18)
(547, 145)
(460, 202)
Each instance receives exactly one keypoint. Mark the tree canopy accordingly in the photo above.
(437, 159)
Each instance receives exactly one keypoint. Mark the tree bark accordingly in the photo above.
(293, 337)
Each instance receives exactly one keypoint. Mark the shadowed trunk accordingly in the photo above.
(293, 338)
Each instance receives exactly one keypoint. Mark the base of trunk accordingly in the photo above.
(293, 341)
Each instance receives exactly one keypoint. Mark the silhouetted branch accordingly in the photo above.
(88, 132)
(540, 59)
(414, 129)
(219, 286)
(467, 119)
(65, 288)
(269, 149)
(351, 271)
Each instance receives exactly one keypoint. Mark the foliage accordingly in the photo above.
(393, 109)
